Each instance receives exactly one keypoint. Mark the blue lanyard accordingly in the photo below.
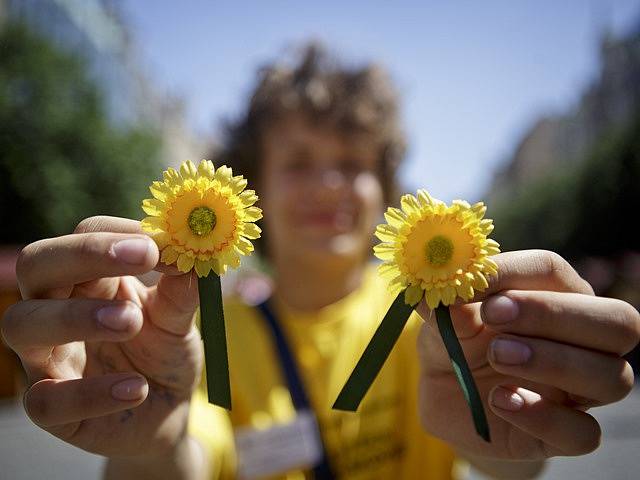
(321, 471)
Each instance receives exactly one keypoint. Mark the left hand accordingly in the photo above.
(542, 349)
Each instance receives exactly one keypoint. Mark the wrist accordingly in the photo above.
(498, 468)
(185, 460)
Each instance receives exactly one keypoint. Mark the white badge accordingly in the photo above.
(280, 448)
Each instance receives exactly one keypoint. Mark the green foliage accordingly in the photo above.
(608, 196)
(60, 159)
(584, 209)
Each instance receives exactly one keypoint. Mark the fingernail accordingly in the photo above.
(132, 388)
(509, 352)
(132, 251)
(118, 317)
(506, 399)
(499, 309)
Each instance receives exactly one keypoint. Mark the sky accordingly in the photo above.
(473, 76)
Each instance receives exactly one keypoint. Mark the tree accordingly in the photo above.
(582, 209)
(60, 158)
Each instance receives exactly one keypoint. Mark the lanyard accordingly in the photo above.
(321, 471)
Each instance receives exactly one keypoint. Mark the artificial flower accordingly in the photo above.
(436, 250)
(202, 217)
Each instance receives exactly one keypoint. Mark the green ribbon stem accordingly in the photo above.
(462, 371)
(374, 355)
(215, 340)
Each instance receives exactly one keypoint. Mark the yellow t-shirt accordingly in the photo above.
(383, 439)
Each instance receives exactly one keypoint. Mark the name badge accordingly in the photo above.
(280, 448)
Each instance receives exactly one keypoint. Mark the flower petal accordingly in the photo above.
(252, 214)
(250, 230)
(432, 298)
(185, 262)
(248, 198)
(395, 217)
(206, 169)
(410, 204)
(386, 233)
(424, 198)
(385, 251)
(448, 294)
(480, 282)
(160, 190)
(388, 270)
(465, 291)
(238, 184)
(479, 209)
(162, 239)
(244, 245)
(188, 170)
(413, 294)
(153, 207)
(169, 256)
(202, 267)
(223, 175)
(153, 224)
(231, 258)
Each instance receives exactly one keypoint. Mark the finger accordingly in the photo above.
(71, 259)
(534, 270)
(57, 402)
(561, 430)
(605, 324)
(585, 373)
(46, 323)
(104, 223)
(172, 304)
(465, 318)
(473, 335)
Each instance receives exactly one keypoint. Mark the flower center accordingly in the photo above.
(439, 250)
(201, 220)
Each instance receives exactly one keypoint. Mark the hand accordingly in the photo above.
(111, 364)
(542, 348)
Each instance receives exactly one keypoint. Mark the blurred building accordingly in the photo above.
(607, 104)
(95, 31)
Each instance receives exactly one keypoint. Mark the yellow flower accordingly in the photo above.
(435, 250)
(202, 217)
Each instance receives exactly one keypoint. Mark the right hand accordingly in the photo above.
(541, 356)
(111, 364)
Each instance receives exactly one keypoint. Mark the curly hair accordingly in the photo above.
(353, 100)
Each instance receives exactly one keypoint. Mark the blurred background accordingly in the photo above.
(532, 107)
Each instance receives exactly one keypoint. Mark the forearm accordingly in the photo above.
(505, 469)
(186, 462)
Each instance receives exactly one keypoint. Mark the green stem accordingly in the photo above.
(215, 340)
(462, 371)
(374, 355)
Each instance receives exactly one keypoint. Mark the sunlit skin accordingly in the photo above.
(323, 196)
(322, 199)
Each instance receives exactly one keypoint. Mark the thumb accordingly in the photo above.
(172, 303)
(471, 332)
